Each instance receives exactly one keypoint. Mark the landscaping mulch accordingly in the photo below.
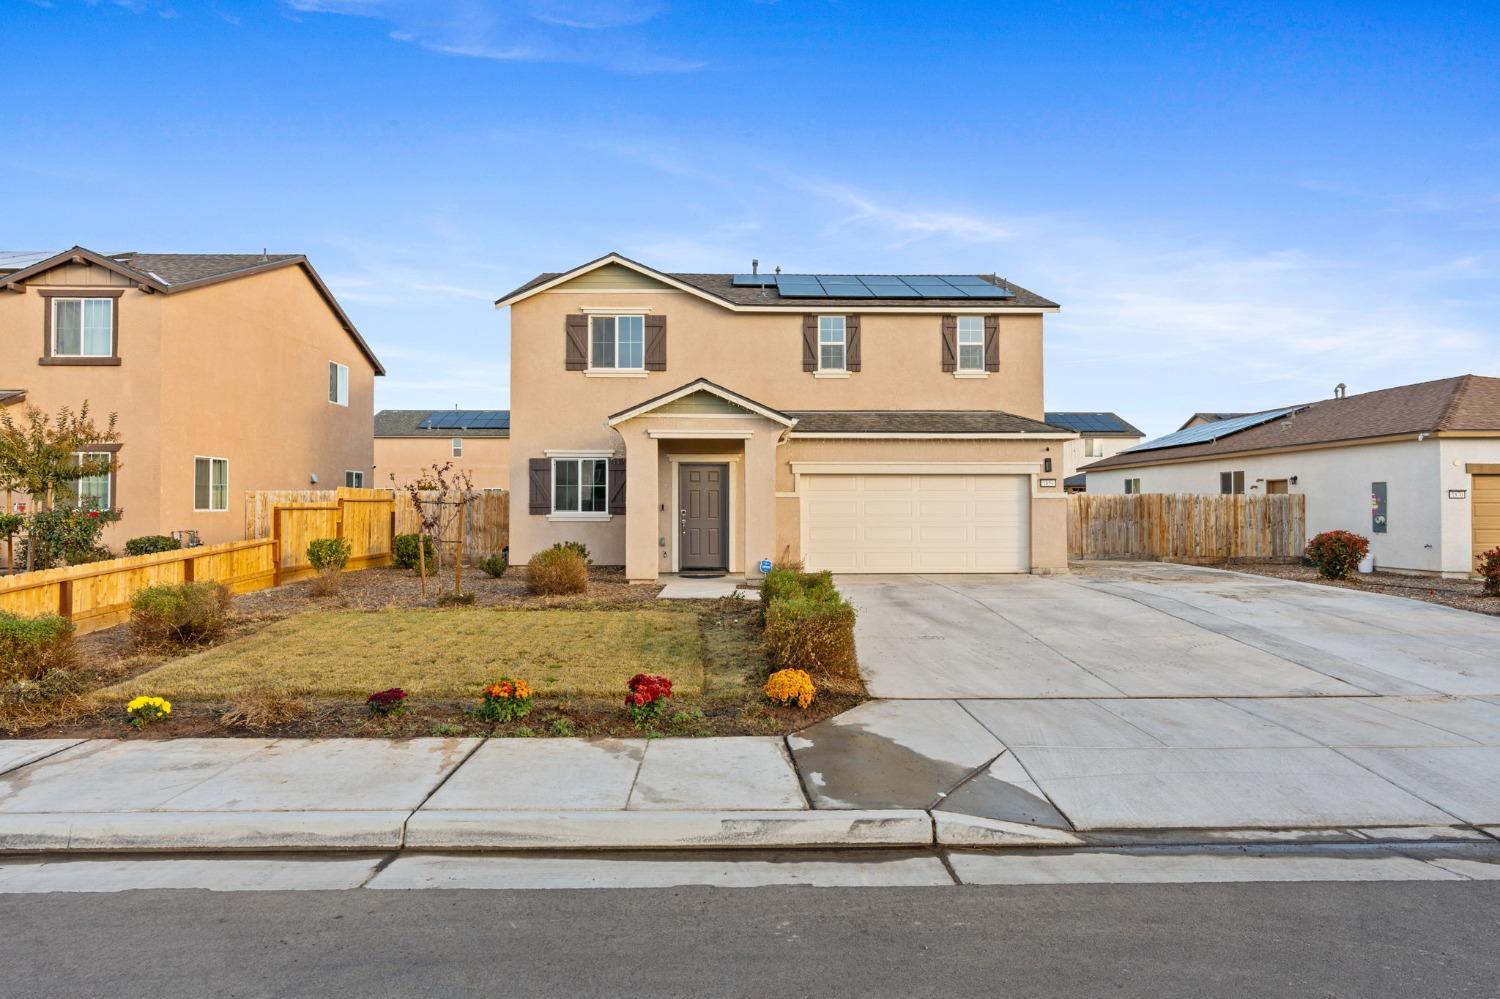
(1462, 594)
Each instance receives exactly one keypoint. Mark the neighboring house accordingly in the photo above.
(408, 442)
(681, 422)
(1415, 468)
(229, 372)
(1199, 419)
(1100, 435)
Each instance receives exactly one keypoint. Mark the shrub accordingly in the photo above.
(506, 700)
(495, 566)
(180, 614)
(557, 570)
(581, 549)
(68, 536)
(144, 710)
(329, 556)
(647, 694)
(386, 703)
(456, 600)
(1337, 553)
(262, 710)
(32, 646)
(815, 633)
(790, 686)
(50, 686)
(150, 544)
(405, 548)
(1489, 571)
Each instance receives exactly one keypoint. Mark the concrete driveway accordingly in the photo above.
(1152, 630)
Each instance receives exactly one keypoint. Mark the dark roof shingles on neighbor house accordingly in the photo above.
(918, 421)
(1467, 402)
(408, 423)
(185, 268)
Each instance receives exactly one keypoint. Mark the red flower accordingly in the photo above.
(94, 514)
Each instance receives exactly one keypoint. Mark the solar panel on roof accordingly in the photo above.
(888, 286)
(800, 287)
(753, 280)
(1214, 431)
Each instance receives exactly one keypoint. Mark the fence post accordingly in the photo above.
(187, 569)
(65, 599)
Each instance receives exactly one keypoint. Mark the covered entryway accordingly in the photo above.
(928, 523)
(1486, 501)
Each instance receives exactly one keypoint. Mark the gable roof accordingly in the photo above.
(702, 385)
(1463, 403)
(169, 273)
(721, 289)
(414, 423)
(918, 422)
(1210, 418)
(1094, 424)
(8, 396)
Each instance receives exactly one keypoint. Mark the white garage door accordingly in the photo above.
(917, 523)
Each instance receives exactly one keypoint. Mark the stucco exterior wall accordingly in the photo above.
(1073, 456)
(756, 355)
(486, 459)
(1336, 482)
(236, 370)
(1458, 523)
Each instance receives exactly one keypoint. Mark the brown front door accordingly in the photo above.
(1274, 486)
(700, 535)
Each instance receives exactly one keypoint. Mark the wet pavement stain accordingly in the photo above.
(848, 766)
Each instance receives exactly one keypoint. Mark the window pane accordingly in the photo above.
(565, 485)
(630, 340)
(200, 484)
(220, 484)
(970, 357)
(67, 328)
(592, 499)
(831, 324)
(98, 337)
(832, 356)
(343, 384)
(971, 326)
(603, 354)
(333, 382)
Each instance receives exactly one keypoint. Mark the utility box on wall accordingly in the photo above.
(1378, 507)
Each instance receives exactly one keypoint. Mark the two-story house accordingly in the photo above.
(1100, 435)
(710, 422)
(476, 442)
(228, 372)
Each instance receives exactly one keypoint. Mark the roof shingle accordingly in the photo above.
(917, 421)
(408, 423)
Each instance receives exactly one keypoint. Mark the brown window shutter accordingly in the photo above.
(617, 486)
(950, 343)
(576, 342)
(541, 485)
(992, 343)
(656, 344)
(851, 343)
(809, 343)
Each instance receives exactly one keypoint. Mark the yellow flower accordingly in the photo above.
(157, 705)
(790, 686)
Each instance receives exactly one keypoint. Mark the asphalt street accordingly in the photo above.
(1365, 940)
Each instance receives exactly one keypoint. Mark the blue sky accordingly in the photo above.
(1238, 205)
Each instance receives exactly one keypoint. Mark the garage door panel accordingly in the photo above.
(928, 523)
(1486, 513)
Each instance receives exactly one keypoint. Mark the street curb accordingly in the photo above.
(171, 832)
(637, 830)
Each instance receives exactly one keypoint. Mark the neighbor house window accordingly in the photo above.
(578, 485)
(458, 447)
(1231, 483)
(1093, 447)
(210, 484)
(617, 342)
(354, 479)
(1132, 486)
(338, 383)
(971, 343)
(92, 492)
(832, 343)
(83, 327)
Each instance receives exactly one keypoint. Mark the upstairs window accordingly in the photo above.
(617, 343)
(210, 484)
(832, 344)
(1231, 483)
(578, 485)
(458, 447)
(354, 479)
(1093, 447)
(338, 383)
(971, 343)
(83, 327)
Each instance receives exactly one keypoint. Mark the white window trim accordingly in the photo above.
(599, 516)
(456, 447)
(341, 384)
(958, 345)
(210, 459)
(971, 374)
(616, 372)
(354, 471)
(842, 371)
(81, 310)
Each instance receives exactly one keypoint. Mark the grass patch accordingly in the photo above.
(437, 653)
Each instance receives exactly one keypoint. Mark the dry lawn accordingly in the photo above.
(437, 653)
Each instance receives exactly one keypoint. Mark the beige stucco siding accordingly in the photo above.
(485, 459)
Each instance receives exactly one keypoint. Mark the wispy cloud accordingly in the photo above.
(593, 32)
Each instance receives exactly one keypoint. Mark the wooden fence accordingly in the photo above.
(486, 521)
(97, 594)
(1162, 527)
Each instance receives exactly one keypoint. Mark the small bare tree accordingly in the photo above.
(441, 514)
